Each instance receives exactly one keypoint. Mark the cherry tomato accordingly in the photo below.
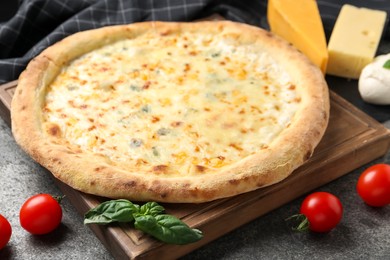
(373, 185)
(5, 231)
(40, 214)
(323, 211)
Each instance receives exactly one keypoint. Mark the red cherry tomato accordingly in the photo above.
(40, 214)
(323, 211)
(5, 231)
(373, 185)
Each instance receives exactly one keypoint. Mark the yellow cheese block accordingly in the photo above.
(354, 40)
(299, 22)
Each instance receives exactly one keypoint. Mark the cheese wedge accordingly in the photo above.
(354, 40)
(299, 22)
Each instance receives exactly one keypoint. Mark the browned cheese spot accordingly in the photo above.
(200, 168)
(165, 33)
(176, 124)
(160, 168)
(155, 119)
(146, 85)
(236, 146)
(46, 110)
(292, 87)
(54, 130)
(187, 67)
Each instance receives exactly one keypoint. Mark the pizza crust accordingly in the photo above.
(96, 174)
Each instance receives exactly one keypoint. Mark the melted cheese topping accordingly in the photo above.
(174, 103)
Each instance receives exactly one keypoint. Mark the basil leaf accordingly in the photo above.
(148, 218)
(387, 64)
(167, 228)
(151, 208)
(111, 211)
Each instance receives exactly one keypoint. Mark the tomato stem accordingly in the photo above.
(59, 198)
(303, 222)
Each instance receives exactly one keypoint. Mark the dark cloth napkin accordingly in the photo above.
(40, 23)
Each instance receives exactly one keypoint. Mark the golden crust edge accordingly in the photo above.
(231, 180)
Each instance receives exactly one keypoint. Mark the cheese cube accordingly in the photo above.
(354, 40)
(299, 22)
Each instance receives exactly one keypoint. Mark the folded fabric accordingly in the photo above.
(40, 23)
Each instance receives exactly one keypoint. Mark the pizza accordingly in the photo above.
(170, 111)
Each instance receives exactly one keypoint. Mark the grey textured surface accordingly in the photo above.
(362, 234)
(21, 178)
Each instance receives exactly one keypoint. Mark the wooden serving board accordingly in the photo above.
(351, 140)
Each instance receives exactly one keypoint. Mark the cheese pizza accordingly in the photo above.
(169, 111)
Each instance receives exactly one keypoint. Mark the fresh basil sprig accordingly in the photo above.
(149, 218)
(386, 65)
